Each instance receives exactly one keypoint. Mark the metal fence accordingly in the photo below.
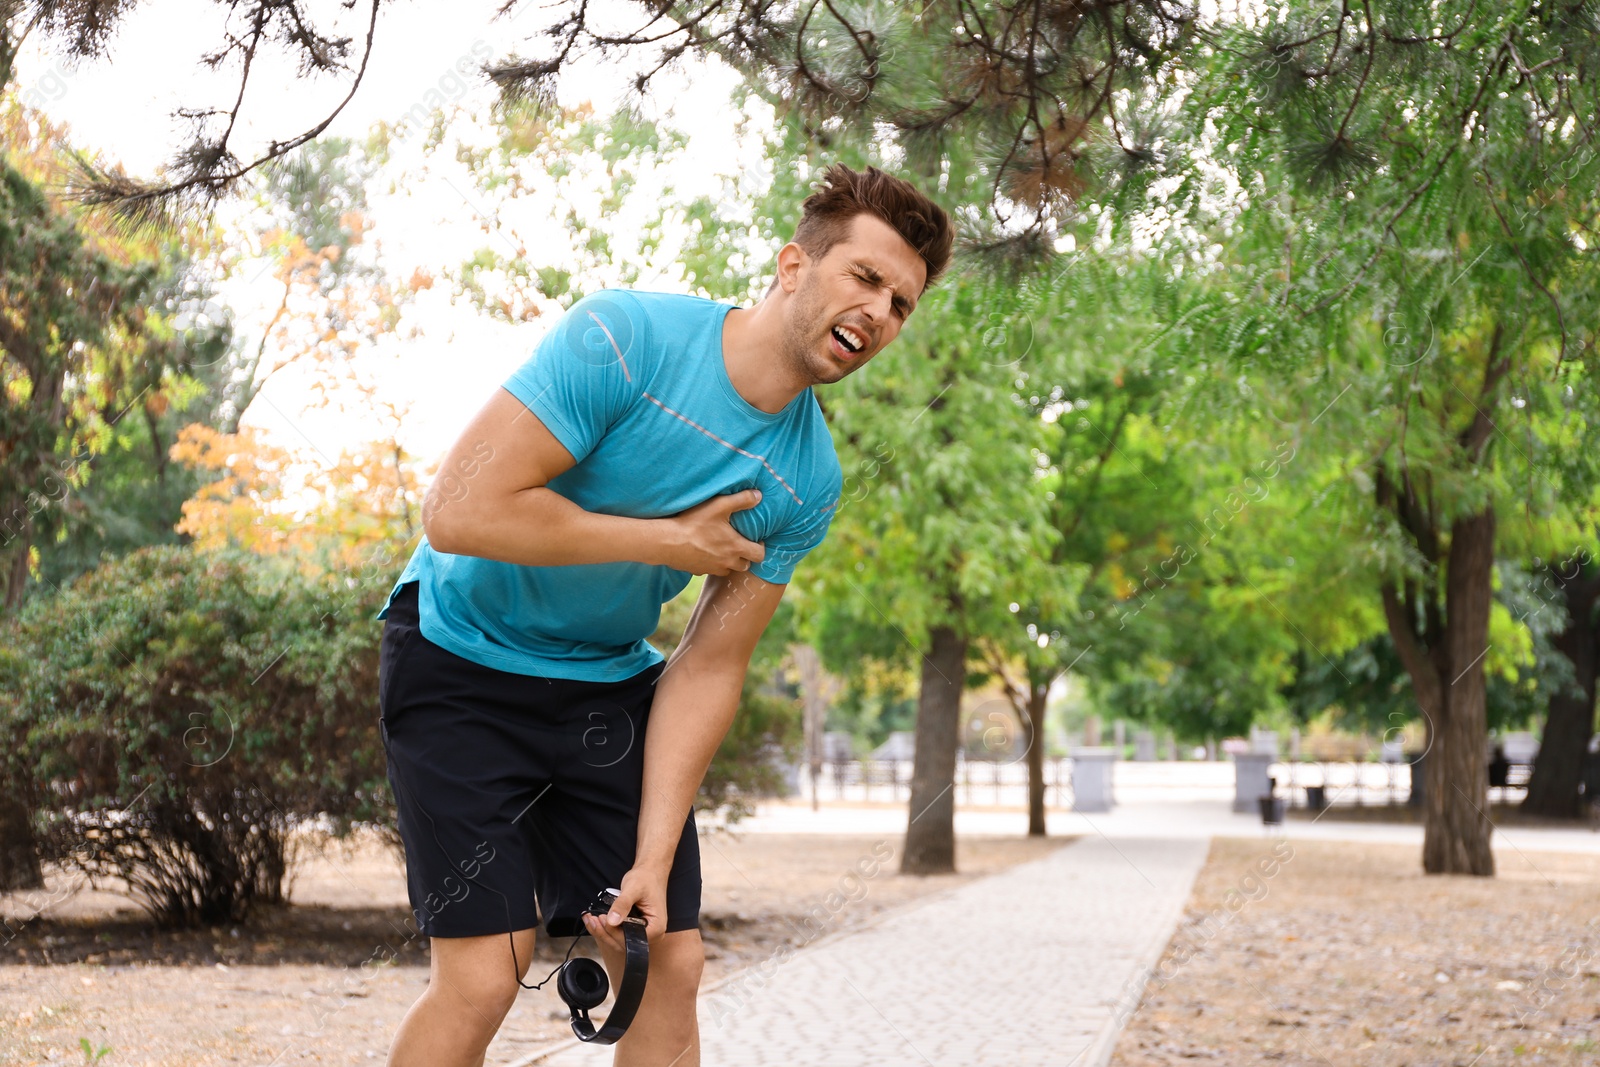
(1369, 784)
(979, 783)
(1004, 784)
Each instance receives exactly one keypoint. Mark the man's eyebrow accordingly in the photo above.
(873, 275)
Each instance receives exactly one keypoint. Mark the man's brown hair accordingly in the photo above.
(826, 215)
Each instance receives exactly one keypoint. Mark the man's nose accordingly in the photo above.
(879, 307)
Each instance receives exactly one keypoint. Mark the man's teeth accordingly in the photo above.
(851, 340)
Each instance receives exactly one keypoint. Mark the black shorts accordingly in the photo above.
(517, 797)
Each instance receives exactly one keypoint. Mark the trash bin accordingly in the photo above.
(1316, 797)
(1092, 779)
(1271, 811)
(1251, 779)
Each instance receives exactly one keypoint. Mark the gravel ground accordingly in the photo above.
(328, 979)
(1337, 953)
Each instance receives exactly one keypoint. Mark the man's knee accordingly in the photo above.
(480, 1000)
(492, 1000)
(678, 962)
(479, 977)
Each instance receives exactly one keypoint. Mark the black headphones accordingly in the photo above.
(582, 983)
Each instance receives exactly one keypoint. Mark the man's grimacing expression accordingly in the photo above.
(858, 295)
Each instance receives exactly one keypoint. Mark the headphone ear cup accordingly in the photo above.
(582, 984)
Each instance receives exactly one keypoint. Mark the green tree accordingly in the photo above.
(76, 357)
(1414, 224)
(106, 359)
(132, 493)
(1082, 344)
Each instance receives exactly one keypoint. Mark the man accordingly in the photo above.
(651, 437)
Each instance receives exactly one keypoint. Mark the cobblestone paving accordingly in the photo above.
(1029, 966)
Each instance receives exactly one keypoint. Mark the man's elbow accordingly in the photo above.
(442, 525)
(720, 672)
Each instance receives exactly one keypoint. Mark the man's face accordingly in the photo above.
(849, 304)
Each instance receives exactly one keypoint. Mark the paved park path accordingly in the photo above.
(1026, 967)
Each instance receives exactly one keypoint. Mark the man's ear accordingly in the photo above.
(791, 257)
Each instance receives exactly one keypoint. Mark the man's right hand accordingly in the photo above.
(494, 502)
(703, 541)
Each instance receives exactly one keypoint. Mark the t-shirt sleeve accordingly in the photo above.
(586, 370)
(787, 547)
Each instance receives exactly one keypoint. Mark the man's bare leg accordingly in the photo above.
(665, 1033)
(470, 989)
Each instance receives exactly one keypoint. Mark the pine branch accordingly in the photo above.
(1416, 193)
(210, 169)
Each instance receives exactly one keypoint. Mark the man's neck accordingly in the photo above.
(752, 346)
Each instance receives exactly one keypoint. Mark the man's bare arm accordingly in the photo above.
(694, 704)
(489, 499)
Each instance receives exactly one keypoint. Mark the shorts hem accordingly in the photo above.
(496, 927)
(675, 924)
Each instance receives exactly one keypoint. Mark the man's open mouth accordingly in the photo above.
(851, 341)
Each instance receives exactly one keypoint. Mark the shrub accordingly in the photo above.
(172, 716)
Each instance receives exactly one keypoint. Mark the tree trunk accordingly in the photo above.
(1037, 696)
(930, 834)
(19, 857)
(9, 46)
(1445, 662)
(14, 573)
(1558, 768)
(816, 693)
(1456, 821)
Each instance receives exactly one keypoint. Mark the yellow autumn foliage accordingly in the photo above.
(271, 501)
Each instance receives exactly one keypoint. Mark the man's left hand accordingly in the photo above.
(641, 887)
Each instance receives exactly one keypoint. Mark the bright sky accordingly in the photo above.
(122, 108)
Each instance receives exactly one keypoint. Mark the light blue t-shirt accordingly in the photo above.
(633, 384)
